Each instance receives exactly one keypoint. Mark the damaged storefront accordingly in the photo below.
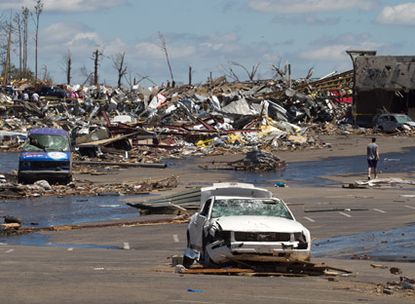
(384, 84)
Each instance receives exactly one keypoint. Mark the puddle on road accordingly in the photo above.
(9, 161)
(310, 173)
(68, 210)
(38, 239)
(306, 173)
(392, 245)
(395, 245)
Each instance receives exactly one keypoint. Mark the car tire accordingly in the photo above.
(187, 262)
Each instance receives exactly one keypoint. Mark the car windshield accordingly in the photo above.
(42, 142)
(403, 118)
(249, 206)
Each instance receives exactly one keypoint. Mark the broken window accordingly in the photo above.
(42, 142)
(238, 207)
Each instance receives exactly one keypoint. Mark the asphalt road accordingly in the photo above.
(90, 266)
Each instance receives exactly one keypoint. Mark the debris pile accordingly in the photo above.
(156, 122)
(404, 284)
(297, 269)
(43, 188)
(10, 226)
(254, 160)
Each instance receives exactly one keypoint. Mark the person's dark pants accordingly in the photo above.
(372, 163)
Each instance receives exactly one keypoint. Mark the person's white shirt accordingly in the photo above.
(35, 97)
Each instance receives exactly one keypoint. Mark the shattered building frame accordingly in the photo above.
(383, 84)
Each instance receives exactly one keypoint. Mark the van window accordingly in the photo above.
(42, 142)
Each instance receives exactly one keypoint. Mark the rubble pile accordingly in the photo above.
(157, 122)
(254, 160)
(43, 188)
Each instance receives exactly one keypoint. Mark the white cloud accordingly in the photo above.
(336, 52)
(63, 5)
(153, 50)
(326, 53)
(307, 6)
(60, 37)
(399, 14)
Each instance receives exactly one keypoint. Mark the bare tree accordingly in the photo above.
(18, 25)
(142, 78)
(86, 74)
(118, 62)
(279, 73)
(46, 75)
(36, 16)
(166, 54)
(250, 73)
(67, 60)
(229, 72)
(96, 58)
(25, 20)
(7, 28)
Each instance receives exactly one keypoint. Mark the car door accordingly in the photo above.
(197, 224)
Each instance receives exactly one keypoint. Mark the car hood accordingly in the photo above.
(410, 123)
(258, 224)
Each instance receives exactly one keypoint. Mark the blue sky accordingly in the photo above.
(210, 34)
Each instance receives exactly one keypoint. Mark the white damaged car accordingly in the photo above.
(239, 222)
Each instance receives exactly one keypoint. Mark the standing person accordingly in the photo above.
(372, 158)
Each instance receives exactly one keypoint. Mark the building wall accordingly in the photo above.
(384, 83)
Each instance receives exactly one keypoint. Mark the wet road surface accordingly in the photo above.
(395, 244)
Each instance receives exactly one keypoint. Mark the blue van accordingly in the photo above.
(46, 154)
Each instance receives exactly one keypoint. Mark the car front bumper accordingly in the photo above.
(219, 252)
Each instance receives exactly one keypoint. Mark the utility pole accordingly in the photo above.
(190, 75)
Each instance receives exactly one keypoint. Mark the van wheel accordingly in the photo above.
(67, 180)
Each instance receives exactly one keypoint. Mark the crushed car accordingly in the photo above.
(239, 222)
(393, 122)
